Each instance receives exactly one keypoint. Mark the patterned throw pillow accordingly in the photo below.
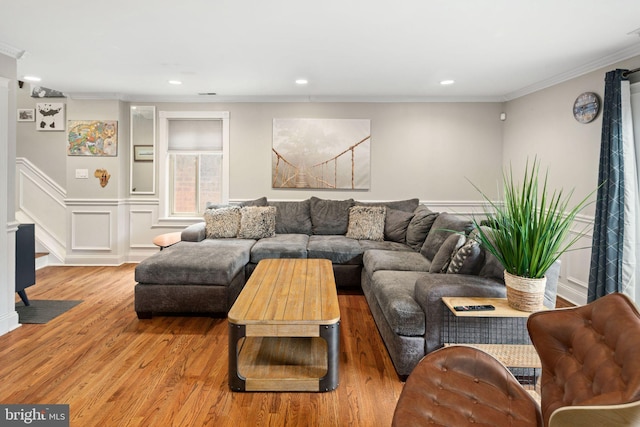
(468, 259)
(257, 222)
(366, 223)
(223, 222)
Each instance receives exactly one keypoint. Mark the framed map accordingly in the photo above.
(93, 138)
(321, 153)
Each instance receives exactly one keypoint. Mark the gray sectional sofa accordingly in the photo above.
(402, 255)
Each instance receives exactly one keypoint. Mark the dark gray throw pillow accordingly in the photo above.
(441, 229)
(330, 216)
(445, 254)
(293, 217)
(419, 226)
(395, 225)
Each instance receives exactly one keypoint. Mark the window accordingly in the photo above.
(194, 161)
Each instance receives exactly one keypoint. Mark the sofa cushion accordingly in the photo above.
(419, 226)
(385, 245)
(468, 259)
(257, 222)
(442, 227)
(395, 225)
(394, 291)
(445, 254)
(338, 249)
(209, 262)
(366, 223)
(280, 246)
(330, 217)
(376, 260)
(222, 222)
(293, 217)
(409, 205)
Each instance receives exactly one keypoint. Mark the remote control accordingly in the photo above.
(474, 307)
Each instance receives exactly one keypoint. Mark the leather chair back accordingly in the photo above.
(590, 354)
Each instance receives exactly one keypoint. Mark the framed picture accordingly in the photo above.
(143, 153)
(50, 116)
(26, 115)
(93, 138)
(321, 153)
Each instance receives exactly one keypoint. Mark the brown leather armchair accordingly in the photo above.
(590, 363)
(590, 375)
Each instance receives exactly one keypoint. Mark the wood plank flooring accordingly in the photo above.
(115, 370)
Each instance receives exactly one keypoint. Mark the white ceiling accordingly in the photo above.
(347, 49)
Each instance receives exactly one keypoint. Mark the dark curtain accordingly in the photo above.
(605, 275)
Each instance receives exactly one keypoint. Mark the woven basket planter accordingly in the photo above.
(524, 293)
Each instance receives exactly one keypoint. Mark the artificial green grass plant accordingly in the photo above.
(529, 228)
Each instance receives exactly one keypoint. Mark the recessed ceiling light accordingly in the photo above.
(447, 82)
(302, 81)
(175, 82)
(32, 78)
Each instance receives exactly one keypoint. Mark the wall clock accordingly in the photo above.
(586, 107)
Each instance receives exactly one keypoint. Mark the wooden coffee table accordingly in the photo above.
(284, 328)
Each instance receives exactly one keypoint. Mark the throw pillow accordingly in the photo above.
(419, 226)
(292, 217)
(468, 259)
(395, 225)
(447, 250)
(257, 222)
(222, 222)
(330, 216)
(366, 223)
(440, 231)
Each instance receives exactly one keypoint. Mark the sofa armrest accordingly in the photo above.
(194, 233)
(430, 289)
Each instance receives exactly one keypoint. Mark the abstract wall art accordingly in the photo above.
(50, 116)
(93, 138)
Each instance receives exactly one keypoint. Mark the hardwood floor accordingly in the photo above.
(115, 370)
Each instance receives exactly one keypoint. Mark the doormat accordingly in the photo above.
(42, 311)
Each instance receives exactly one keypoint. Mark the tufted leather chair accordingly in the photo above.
(590, 375)
(590, 363)
(460, 386)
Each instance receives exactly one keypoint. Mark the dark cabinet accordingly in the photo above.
(25, 259)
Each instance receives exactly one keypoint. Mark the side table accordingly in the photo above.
(501, 332)
(167, 239)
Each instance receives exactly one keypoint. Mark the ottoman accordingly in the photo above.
(192, 277)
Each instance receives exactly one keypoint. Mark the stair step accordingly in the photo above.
(41, 254)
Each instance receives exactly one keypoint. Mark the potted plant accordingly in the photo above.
(529, 231)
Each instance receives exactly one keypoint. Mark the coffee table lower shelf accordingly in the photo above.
(282, 363)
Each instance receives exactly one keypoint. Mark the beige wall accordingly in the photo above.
(542, 124)
(417, 150)
(424, 150)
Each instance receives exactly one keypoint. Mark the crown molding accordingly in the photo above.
(11, 51)
(613, 58)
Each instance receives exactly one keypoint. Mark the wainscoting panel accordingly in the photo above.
(574, 279)
(91, 230)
